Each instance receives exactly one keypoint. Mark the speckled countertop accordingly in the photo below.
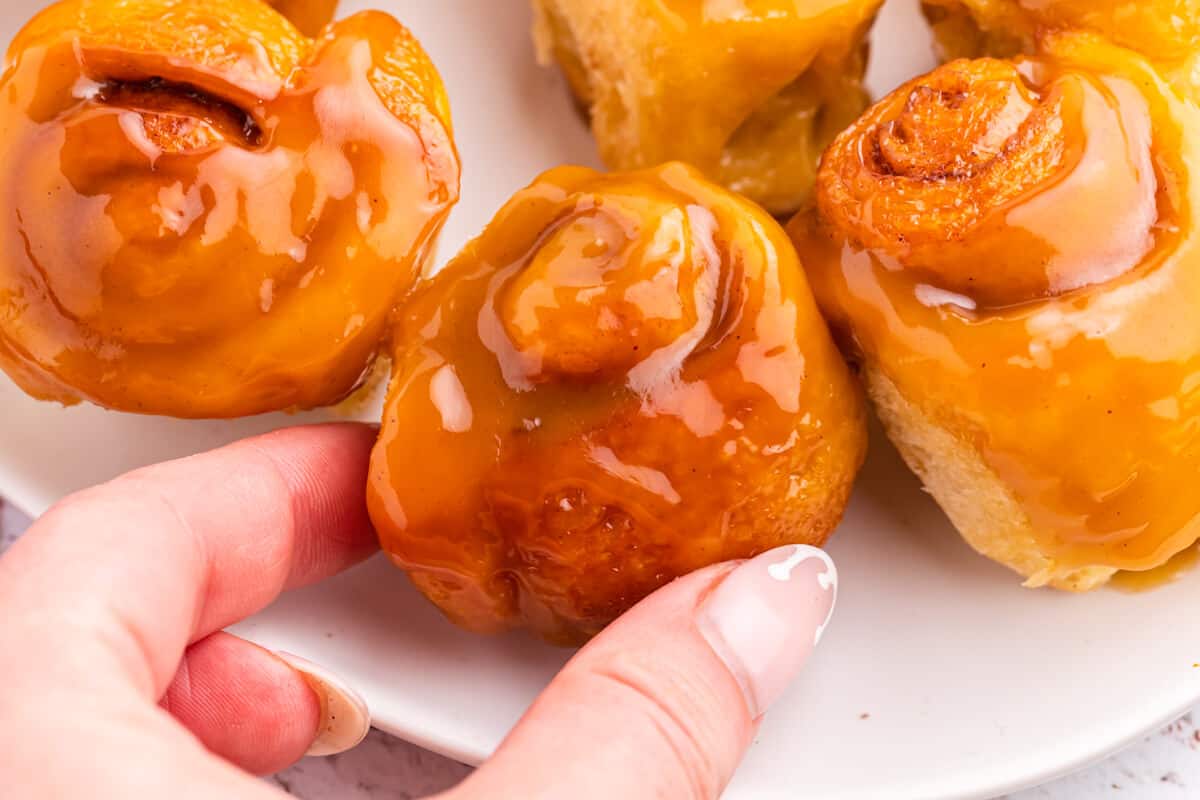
(1165, 765)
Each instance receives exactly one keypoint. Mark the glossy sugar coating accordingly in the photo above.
(749, 91)
(1009, 247)
(1167, 31)
(625, 378)
(205, 213)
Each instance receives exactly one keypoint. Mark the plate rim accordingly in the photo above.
(1037, 767)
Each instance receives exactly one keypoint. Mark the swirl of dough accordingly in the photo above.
(945, 173)
(625, 378)
(1010, 250)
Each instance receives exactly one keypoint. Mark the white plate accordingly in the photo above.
(940, 677)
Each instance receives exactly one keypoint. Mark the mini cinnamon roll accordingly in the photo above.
(1166, 31)
(205, 213)
(749, 93)
(625, 378)
(1010, 250)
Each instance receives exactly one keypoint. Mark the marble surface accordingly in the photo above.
(1163, 766)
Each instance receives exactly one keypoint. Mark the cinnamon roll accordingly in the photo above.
(1009, 249)
(205, 213)
(625, 378)
(749, 93)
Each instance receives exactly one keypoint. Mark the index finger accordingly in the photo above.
(116, 581)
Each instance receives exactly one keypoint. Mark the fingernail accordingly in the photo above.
(344, 720)
(766, 617)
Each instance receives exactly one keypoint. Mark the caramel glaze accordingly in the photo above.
(206, 214)
(1012, 244)
(749, 91)
(1167, 31)
(625, 378)
(1175, 568)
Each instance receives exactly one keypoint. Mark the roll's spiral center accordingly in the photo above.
(179, 119)
(614, 281)
(1001, 181)
(956, 124)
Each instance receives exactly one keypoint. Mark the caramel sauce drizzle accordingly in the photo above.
(624, 379)
(1013, 245)
(207, 214)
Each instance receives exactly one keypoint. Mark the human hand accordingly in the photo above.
(115, 680)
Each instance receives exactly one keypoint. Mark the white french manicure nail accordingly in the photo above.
(764, 619)
(344, 718)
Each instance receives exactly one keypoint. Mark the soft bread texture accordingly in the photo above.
(974, 498)
(749, 97)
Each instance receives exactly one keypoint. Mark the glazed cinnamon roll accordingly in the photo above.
(1167, 31)
(623, 379)
(206, 214)
(749, 93)
(1010, 249)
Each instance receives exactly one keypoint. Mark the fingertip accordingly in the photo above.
(244, 704)
(344, 718)
(665, 701)
(263, 710)
(644, 710)
(765, 618)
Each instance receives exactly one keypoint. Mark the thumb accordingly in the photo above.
(665, 701)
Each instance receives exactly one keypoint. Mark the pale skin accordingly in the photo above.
(116, 680)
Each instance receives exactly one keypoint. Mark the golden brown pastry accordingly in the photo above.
(625, 378)
(206, 214)
(309, 16)
(1011, 250)
(1167, 31)
(749, 91)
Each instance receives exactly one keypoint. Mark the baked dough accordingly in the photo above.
(205, 213)
(1008, 248)
(623, 380)
(749, 92)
